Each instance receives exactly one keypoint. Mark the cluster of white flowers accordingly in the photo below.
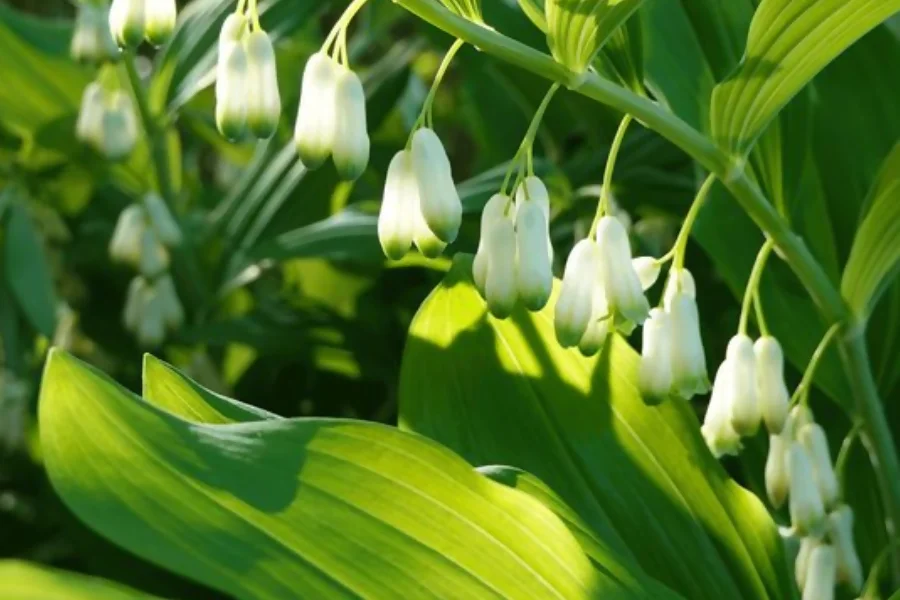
(247, 95)
(92, 41)
(142, 238)
(331, 119)
(107, 121)
(133, 21)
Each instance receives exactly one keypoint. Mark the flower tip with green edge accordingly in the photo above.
(813, 438)
(127, 22)
(501, 292)
(441, 206)
(720, 436)
(231, 90)
(314, 130)
(689, 374)
(119, 128)
(624, 291)
(840, 532)
(534, 271)
(160, 16)
(655, 374)
(351, 145)
(494, 210)
(399, 203)
(771, 388)
(776, 473)
(821, 574)
(575, 304)
(806, 507)
(263, 96)
(745, 412)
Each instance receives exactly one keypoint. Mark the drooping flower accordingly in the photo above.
(494, 210)
(162, 221)
(840, 532)
(89, 127)
(689, 376)
(624, 292)
(806, 507)
(821, 574)
(119, 127)
(801, 564)
(679, 281)
(813, 438)
(441, 206)
(720, 436)
(501, 292)
(173, 312)
(575, 304)
(263, 97)
(655, 379)
(160, 20)
(232, 79)
(92, 40)
(534, 274)
(154, 258)
(648, 270)
(598, 327)
(745, 412)
(127, 22)
(125, 244)
(771, 389)
(778, 484)
(351, 145)
(316, 117)
(400, 203)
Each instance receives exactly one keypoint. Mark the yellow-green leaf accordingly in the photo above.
(20, 580)
(577, 29)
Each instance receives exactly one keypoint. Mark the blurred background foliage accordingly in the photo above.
(291, 306)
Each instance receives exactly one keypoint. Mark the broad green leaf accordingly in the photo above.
(505, 392)
(51, 36)
(345, 236)
(534, 10)
(577, 29)
(309, 508)
(789, 42)
(875, 257)
(27, 270)
(20, 580)
(470, 9)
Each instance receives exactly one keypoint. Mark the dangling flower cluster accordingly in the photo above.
(107, 120)
(133, 21)
(247, 97)
(92, 41)
(142, 238)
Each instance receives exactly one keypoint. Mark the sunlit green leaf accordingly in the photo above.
(25, 581)
(577, 29)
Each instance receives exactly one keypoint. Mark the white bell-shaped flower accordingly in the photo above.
(501, 290)
(801, 564)
(263, 97)
(655, 378)
(351, 144)
(316, 117)
(161, 219)
(745, 412)
(598, 328)
(495, 209)
(806, 507)
(821, 574)
(534, 190)
(575, 304)
(160, 21)
(430, 245)
(134, 304)
(127, 22)
(534, 272)
(154, 256)
(648, 270)
(720, 436)
(173, 312)
(689, 376)
(840, 532)
(92, 40)
(623, 287)
(778, 484)
(771, 389)
(232, 79)
(396, 221)
(89, 127)
(125, 244)
(441, 205)
(813, 438)
(798, 418)
(151, 330)
(119, 127)
(680, 280)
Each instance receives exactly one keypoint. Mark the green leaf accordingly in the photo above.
(309, 508)
(470, 9)
(875, 257)
(505, 392)
(25, 581)
(345, 236)
(27, 270)
(789, 42)
(577, 29)
(534, 10)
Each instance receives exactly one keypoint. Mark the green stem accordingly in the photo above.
(809, 375)
(612, 157)
(760, 314)
(343, 22)
(528, 141)
(425, 115)
(753, 285)
(680, 247)
(870, 589)
(840, 465)
(790, 246)
(254, 15)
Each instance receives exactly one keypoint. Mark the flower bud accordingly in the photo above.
(813, 438)
(151, 330)
(720, 436)
(125, 245)
(92, 40)
(160, 21)
(840, 532)
(126, 22)
(598, 327)
(119, 127)
(493, 211)
(351, 137)
(771, 390)
(801, 564)
(821, 574)
(655, 379)
(534, 190)
(314, 131)
(162, 221)
(534, 274)
(778, 483)
(232, 80)
(441, 205)
(680, 280)
(396, 220)
(807, 511)
(500, 288)
(134, 304)
(648, 270)
(575, 304)
(745, 413)
(799, 417)
(173, 313)
(430, 245)
(263, 97)
(89, 127)
(689, 375)
(154, 257)
(623, 288)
